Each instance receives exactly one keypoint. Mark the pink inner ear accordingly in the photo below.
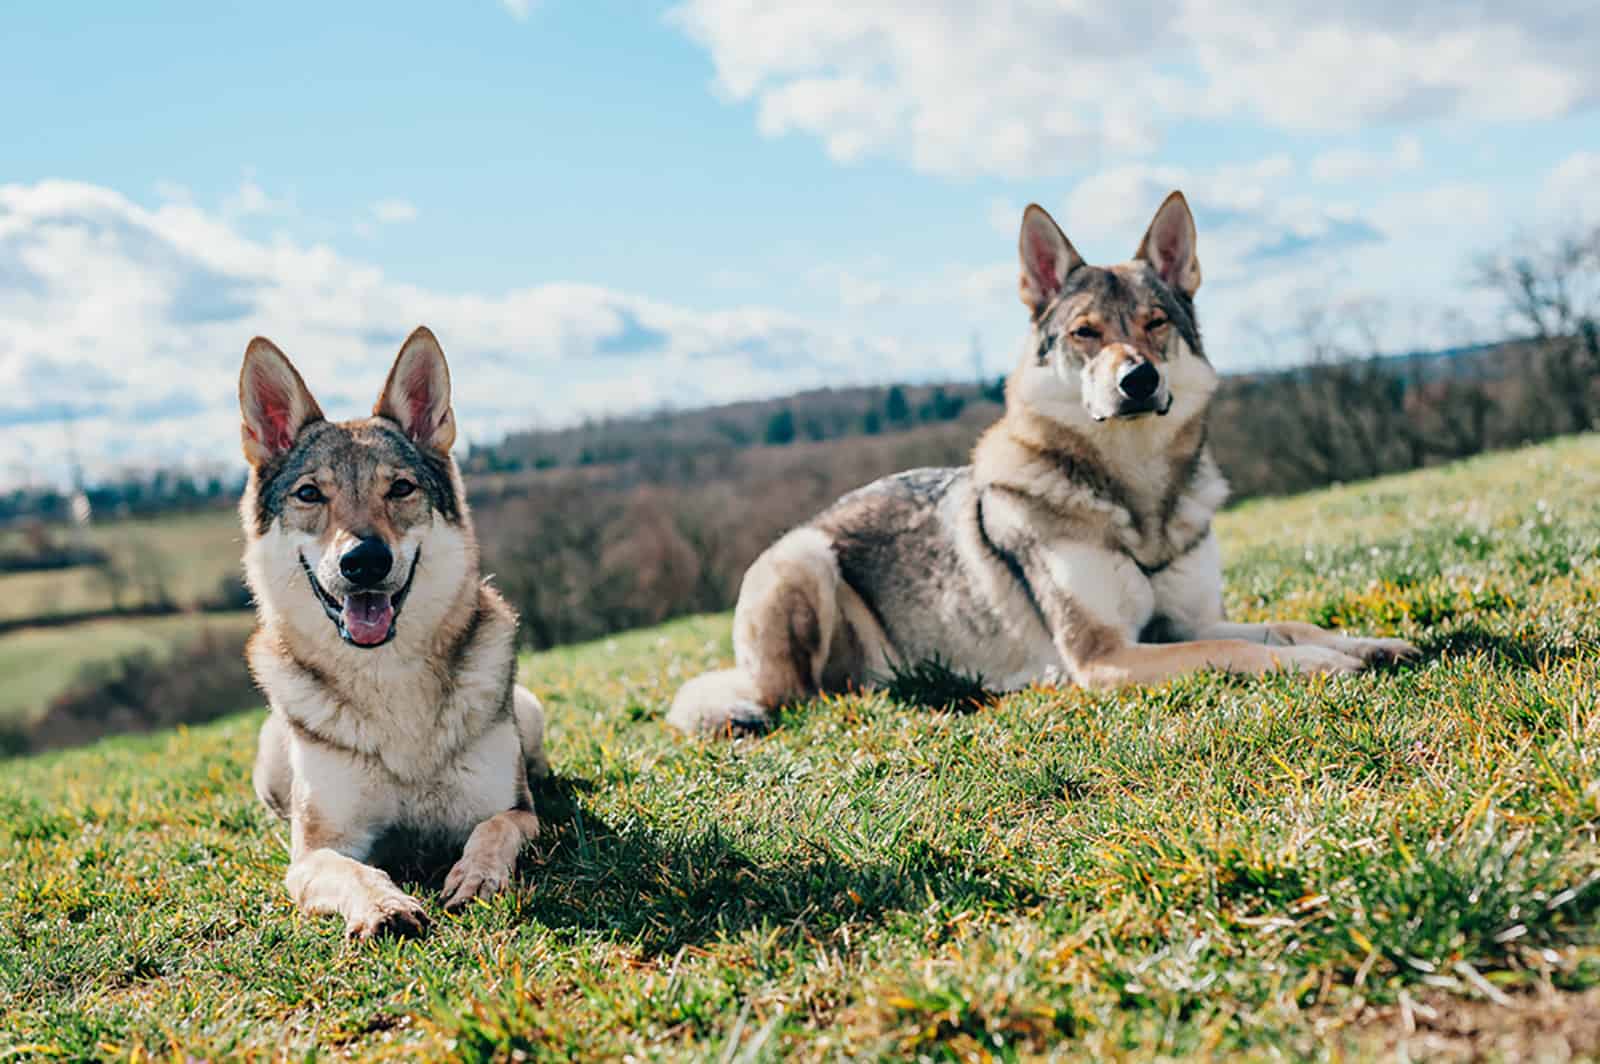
(1042, 259)
(1171, 251)
(418, 391)
(272, 414)
(1044, 267)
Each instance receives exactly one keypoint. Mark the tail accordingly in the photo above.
(782, 628)
(722, 702)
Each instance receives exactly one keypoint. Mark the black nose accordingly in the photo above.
(367, 563)
(1139, 382)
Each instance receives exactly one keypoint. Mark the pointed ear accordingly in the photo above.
(417, 394)
(1169, 245)
(274, 402)
(1047, 257)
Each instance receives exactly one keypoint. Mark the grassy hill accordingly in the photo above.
(1215, 866)
(182, 558)
(38, 664)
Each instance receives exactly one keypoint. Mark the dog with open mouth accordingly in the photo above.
(388, 663)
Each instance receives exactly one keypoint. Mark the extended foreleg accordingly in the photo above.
(489, 857)
(1153, 663)
(1301, 634)
(326, 881)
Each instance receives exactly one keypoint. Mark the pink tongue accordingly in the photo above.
(367, 616)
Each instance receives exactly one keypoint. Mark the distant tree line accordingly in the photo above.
(894, 414)
(660, 439)
(1348, 414)
(161, 491)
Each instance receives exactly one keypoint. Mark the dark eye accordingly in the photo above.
(309, 493)
(1157, 323)
(1086, 332)
(401, 488)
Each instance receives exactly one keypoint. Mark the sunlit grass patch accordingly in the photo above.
(1217, 866)
(1390, 606)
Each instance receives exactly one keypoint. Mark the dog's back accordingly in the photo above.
(898, 571)
(913, 549)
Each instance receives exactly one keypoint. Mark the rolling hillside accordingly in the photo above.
(1217, 866)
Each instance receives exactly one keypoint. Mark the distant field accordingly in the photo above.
(1401, 864)
(188, 554)
(36, 664)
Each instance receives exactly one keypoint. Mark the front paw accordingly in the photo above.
(1316, 661)
(388, 913)
(1378, 651)
(472, 878)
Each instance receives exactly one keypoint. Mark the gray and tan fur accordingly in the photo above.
(1076, 546)
(389, 665)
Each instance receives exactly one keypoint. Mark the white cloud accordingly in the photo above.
(955, 87)
(861, 286)
(393, 210)
(1356, 164)
(176, 191)
(519, 9)
(994, 285)
(1460, 206)
(250, 199)
(731, 280)
(1571, 192)
(129, 322)
(1247, 214)
(1004, 217)
(1030, 88)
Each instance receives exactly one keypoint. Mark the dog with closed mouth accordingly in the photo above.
(1076, 546)
(389, 665)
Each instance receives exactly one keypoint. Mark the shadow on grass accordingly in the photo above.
(422, 861)
(1516, 652)
(667, 892)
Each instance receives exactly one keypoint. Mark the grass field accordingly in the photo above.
(1283, 867)
(187, 555)
(36, 664)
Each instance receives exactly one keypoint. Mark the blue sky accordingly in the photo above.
(605, 206)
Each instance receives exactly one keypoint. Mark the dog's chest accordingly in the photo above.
(480, 781)
(406, 710)
(1187, 596)
(1157, 524)
(417, 727)
(359, 795)
(413, 741)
